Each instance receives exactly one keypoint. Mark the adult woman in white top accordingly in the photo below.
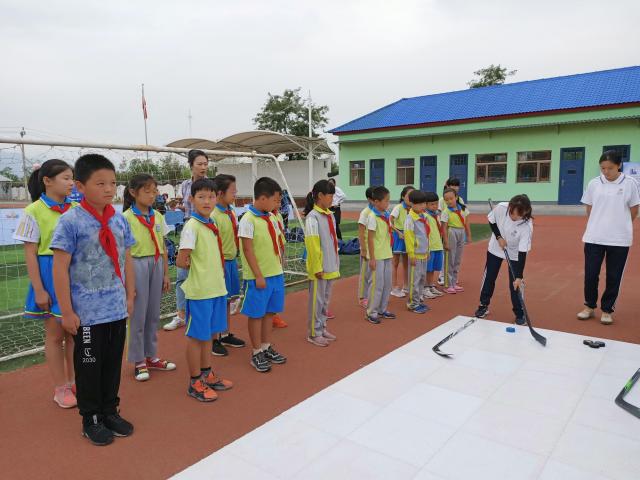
(612, 201)
(338, 198)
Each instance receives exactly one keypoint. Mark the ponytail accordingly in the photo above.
(127, 199)
(33, 185)
(49, 169)
(325, 187)
(308, 204)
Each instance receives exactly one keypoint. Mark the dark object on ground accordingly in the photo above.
(593, 343)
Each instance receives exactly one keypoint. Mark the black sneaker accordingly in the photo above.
(520, 321)
(230, 340)
(370, 319)
(273, 356)
(388, 314)
(94, 429)
(118, 425)
(260, 363)
(482, 311)
(218, 349)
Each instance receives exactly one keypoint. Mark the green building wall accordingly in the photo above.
(591, 130)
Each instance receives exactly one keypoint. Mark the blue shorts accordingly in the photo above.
(31, 309)
(260, 301)
(206, 317)
(436, 260)
(231, 277)
(398, 243)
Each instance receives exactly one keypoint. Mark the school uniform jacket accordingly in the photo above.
(322, 252)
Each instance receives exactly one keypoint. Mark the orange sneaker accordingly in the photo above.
(217, 383)
(201, 391)
(278, 322)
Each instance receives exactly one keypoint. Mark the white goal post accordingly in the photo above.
(21, 337)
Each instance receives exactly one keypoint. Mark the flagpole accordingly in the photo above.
(144, 115)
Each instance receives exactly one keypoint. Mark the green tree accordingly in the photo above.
(168, 169)
(491, 75)
(7, 172)
(288, 113)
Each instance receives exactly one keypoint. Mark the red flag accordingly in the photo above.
(144, 105)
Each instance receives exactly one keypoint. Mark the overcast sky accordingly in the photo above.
(74, 68)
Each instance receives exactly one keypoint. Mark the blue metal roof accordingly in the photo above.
(594, 89)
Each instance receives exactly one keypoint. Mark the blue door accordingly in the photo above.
(571, 176)
(428, 173)
(458, 169)
(376, 172)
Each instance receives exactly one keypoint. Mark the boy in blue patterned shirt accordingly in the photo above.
(94, 282)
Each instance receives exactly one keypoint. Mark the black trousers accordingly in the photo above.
(337, 214)
(616, 259)
(97, 357)
(491, 271)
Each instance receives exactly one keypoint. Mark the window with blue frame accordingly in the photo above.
(623, 150)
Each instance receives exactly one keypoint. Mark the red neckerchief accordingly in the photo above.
(56, 206)
(281, 227)
(458, 212)
(107, 240)
(266, 216)
(210, 224)
(385, 218)
(149, 225)
(425, 222)
(234, 224)
(332, 228)
(435, 217)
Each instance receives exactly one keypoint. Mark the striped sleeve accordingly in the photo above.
(312, 243)
(410, 236)
(28, 229)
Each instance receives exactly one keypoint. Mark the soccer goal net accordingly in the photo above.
(21, 336)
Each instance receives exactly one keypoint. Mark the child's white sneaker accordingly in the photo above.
(397, 292)
(606, 318)
(436, 292)
(175, 323)
(586, 314)
(427, 293)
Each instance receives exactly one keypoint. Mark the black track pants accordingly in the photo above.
(615, 259)
(97, 358)
(491, 271)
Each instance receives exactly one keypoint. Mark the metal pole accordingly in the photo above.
(135, 148)
(24, 166)
(254, 171)
(310, 147)
(144, 115)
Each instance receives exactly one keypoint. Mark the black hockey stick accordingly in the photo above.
(620, 401)
(539, 338)
(436, 347)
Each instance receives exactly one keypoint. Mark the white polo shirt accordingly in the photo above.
(518, 234)
(610, 220)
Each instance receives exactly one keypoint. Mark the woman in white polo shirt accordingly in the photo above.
(612, 201)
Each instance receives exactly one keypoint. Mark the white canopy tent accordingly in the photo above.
(263, 142)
